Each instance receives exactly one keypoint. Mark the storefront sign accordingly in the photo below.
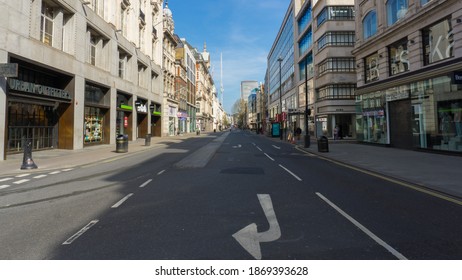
(397, 96)
(457, 78)
(142, 108)
(18, 85)
(125, 122)
(126, 107)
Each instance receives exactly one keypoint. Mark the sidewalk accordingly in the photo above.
(54, 159)
(437, 172)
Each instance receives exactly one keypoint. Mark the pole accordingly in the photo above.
(280, 99)
(307, 134)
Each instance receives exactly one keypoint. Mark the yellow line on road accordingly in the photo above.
(389, 179)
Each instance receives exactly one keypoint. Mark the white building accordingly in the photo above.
(87, 71)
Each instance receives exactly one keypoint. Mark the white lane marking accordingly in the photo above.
(4, 186)
(21, 181)
(80, 232)
(22, 175)
(40, 176)
(363, 228)
(146, 183)
(161, 172)
(259, 149)
(69, 169)
(5, 179)
(269, 157)
(121, 201)
(54, 172)
(276, 147)
(250, 238)
(291, 173)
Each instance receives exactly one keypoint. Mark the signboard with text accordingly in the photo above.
(9, 70)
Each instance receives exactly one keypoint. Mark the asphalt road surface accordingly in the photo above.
(233, 195)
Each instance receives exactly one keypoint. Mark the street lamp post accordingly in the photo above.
(280, 98)
(307, 111)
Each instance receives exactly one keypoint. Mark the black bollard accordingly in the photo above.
(27, 161)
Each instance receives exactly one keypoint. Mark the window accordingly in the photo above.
(305, 20)
(336, 13)
(46, 24)
(306, 63)
(341, 91)
(423, 2)
(438, 42)
(396, 9)
(372, 67)
(336, 39)
(370, 24)
(306, 42)
(398, 57)
(92, 49)
(337, 64)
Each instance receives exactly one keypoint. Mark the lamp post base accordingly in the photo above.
(307, 141)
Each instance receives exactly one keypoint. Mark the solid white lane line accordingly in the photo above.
(146, 183)
(54, 172)
(259, 149)
(4, 186)
(364, 229)
(121, 201)
(5, 179)
(269, 157)
(22, 175)
(291, 173)
(40, 176)
(160, 172)
(276, 147)
(80, 232)
(21, 181)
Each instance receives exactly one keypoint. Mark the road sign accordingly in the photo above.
(9, 70)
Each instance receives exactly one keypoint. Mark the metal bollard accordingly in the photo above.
(27, 161)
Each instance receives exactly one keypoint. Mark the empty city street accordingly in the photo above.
(252, 197)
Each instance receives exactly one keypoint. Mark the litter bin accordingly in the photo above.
(147, 141)
(323, 144)
(122, 143)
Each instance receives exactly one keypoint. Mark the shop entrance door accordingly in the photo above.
(400, 124)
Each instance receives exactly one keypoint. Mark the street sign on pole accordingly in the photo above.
(9, 70)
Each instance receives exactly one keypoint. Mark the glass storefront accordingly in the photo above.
(432, 114)
(96, 126)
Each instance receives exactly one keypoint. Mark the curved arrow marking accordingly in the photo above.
(250, 238)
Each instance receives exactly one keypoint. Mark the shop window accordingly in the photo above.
(398, 57)
(46, 24)
(94, 121)
(438, 42)
(372, 67)
(370, 24)
(396, 10)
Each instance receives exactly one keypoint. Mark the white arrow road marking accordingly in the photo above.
(250, 238)
(276, 147)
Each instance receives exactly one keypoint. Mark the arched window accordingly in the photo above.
(370, 24)
(396, 9)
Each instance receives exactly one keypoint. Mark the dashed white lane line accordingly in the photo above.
(291, 173)
(40, 176)
(363, 228)
(276, 147)
(4, 186)
(80, 232)
(121, 201)
(68, 169)
(5, 179)
(259, 149)
(54, 172)
(22, 175)
(269, 157)
(21, 181)
(160, 173)
(146, 183)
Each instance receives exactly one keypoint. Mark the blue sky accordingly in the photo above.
(242, 30)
